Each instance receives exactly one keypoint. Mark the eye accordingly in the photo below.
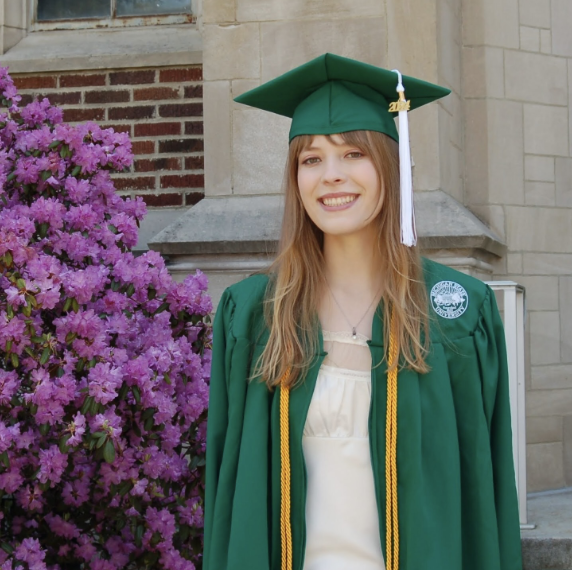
(310, 160)
(355, 154)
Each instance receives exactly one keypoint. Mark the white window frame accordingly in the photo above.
(112, 22)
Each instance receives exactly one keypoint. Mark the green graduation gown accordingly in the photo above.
(456, 484)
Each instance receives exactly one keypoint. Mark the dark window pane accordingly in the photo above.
(66, 9)
(152, 7)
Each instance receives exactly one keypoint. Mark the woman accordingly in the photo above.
(359, 414)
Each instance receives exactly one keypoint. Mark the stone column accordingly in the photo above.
(13, 23)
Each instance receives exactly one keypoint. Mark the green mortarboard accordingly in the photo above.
(333, 94)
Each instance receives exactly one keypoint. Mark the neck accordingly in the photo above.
(353, 264)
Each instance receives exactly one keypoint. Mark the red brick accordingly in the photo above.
(35, 82)
(178, 75)
(131, 113)
(143, 147)
(107, 96)
(26, 99)
(193, 198)
(194, 163)
(140, 183)
(152, 165)
(155, 93)
(162, 199)
(118, 128)
(183, 181)
(194, 128)
(90, 80)
(76, 115)
(193, 92)
(182, 110)
(157, 129)
(181, 145)
(132, 77)
(63, 98)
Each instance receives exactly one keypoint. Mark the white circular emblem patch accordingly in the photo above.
(449, 299)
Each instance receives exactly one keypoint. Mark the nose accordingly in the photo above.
(333, 172)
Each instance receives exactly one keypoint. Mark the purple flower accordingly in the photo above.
(52, 465)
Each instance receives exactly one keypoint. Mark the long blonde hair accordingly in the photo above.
(297, 274)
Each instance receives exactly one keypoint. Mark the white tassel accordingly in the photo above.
(408, 231)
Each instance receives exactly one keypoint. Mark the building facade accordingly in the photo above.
(493, 161)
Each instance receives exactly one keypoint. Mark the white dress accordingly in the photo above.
(342, 525)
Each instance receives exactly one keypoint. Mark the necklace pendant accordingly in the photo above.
(354, 333)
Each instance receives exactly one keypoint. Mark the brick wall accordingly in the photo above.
(160, 108)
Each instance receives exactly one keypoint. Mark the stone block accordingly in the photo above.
(424, 131)
(535, 78)
(563, 176)
(493, 216)
(546, 130)
(278, 10)
(547, 263)
(548, 402)
(561, 18)
(544, 466)
(529, 39)
(539, 229)
(505, 152)
(240, 86)
(219, 11)
(551, 376)
(448, 46)
(546, 429)
(539, 194)
(491, 23)
(514, 263)
(14, 14)
(287, 44)
(242, 41)
(566, 319)
(260, 144)
(483, 72)
(544, 337)
(541, 291)
(476, 152)
(545, 41)
(534, 13)
(567, 441)
(539, 168)
(218, 140)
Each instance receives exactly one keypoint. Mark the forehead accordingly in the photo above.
(323, 141)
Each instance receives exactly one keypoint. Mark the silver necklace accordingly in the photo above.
(354, 328)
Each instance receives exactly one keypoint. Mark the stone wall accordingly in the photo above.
(161, 110)
(517, 64)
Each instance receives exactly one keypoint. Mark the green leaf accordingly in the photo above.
(80, 364)
(8, 259)
(76, 170)
(148, 425)
(70, 337)
(10, 311)
(20, 283)
(6, 547)
(43, 231)
(94, 408)
(45, 356)
(148, 413)
(46, 174)
(67, 304)
(86, 405)
(109, 452)
(30, 352)
(14, 359)
(44, 429)
(167, 378)
(137, 394)
(101, 441)
(130, 290)
(62, 444)
(5, 459)
(161, 308)
(37, 339)
(75, 305)
(123, 391)
(139, 531)
(11, 177)
(55, 144)
(136, 429)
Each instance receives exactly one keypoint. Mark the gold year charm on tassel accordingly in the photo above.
(400, 105)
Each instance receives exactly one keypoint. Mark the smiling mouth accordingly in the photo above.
(338, 201)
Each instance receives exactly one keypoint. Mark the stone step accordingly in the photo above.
(547, 553)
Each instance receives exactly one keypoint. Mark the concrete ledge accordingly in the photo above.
(68, 50)
(251, 224)
(547, 553)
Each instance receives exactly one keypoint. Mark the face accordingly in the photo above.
(339, 186)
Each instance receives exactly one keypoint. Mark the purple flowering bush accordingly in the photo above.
(104, 361)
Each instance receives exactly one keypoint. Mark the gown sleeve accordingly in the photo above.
(491, 354)
(223, 344)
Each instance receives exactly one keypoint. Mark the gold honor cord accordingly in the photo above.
(391, 512)
(392, 522)
(285, 525)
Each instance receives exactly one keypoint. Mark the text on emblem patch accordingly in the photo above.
(449, 299)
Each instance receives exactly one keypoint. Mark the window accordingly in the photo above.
(110, 12)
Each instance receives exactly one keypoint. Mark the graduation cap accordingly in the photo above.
(333, 94)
